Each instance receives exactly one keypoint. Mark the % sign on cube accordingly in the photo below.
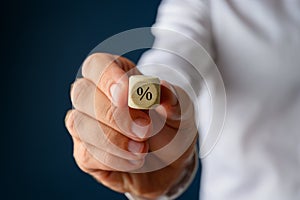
(144, 92)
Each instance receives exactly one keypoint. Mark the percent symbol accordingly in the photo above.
(141, 93)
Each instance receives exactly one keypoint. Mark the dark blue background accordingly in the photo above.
(43, 44)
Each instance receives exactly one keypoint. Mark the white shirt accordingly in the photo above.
(256, 46)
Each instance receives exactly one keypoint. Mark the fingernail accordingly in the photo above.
(135, 147)
(115, 92)
(140, 127)
(139, 131)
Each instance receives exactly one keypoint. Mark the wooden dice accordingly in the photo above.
(144, 92)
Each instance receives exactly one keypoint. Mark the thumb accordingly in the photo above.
(175, 105)
(169, 107)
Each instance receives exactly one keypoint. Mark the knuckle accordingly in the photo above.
(115, 139)
(69, 121)
(73, 123)
(94, 60)
(107, 160)
(79, 90)
(81, 156)
(109, 115)
(89, 63)
(77, 160)
(78, 120)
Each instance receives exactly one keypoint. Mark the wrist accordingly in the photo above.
(183, 182)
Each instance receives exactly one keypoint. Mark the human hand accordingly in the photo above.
(112, 142)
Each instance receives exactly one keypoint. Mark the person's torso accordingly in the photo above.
(258, 54)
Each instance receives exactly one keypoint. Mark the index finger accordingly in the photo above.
(108, 73)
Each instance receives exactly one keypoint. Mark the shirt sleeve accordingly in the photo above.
(178, 21)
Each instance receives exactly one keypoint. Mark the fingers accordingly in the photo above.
(107, 72)
(88, 99)
(89, 158)
(112, 134)
(103, 137)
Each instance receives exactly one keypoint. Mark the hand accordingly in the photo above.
(111, 141)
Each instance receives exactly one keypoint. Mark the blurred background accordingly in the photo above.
(43, 43)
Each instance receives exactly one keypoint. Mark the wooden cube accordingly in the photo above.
(144, 92)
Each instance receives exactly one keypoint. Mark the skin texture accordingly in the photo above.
(106, 145)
